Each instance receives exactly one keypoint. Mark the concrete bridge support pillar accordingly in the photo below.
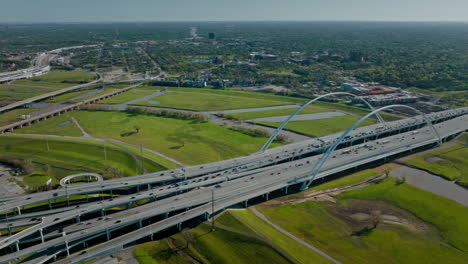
(78, 218)
(50, 204)
(140, 224)
(166, 215)
(9, 231)
(17, 246)
(266, 196)
(246, 203)
(152, 236)
(42, 235)
(179, 226)
(102, 212)
(68, 249)
(108, 234)
(149, 186)
(19, 210)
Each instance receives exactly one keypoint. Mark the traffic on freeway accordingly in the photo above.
(173, 197)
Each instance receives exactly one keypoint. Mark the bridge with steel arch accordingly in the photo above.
(315, 170)
(234, 181)
(285, 122)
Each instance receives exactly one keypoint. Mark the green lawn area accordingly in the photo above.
(66, 76)
(450, 163)
(212, 100)
(187, 141)
(17, 93)
(228, 220)
(220, 246)
(60, 126)
(14, 115)
(321, 127)
(68, 96)
(438, 225)
(275, 112)
(298, 251)
(128, 96)
(67, 157)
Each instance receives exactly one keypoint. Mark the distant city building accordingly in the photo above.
(387, 99)
(211, 35)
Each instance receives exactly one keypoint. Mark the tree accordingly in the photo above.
(137, 128)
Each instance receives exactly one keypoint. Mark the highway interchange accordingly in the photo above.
(154, 202)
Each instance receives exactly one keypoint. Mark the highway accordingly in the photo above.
(238, 187)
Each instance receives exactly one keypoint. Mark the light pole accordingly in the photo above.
(212, 211)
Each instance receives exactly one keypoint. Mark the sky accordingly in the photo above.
(231, 10)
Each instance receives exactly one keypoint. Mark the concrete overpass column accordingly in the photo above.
(108, 234)
(140, 224)
(246, 203)
(68, 249)
(9, 230)
(42, 235)
(17, 246)
(19, 210)
(138, 188)
(179, 226)
(152, 236)
(78, 218)
(266, 196)
(166, 215)
(102, 212)
(149, 186)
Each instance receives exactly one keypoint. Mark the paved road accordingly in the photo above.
(304, 117)
(235, 188)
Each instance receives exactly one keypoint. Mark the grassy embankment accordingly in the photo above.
(14, 115)
(321, 127)
(450, 163)
(428, 223)
(187, 141)
(213, 100)
(63, 158)
(133, 94)
(220, 246)
(22, 89)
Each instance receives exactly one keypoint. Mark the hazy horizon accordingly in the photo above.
(107, 11)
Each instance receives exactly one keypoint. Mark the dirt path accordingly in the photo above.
(85, 134)
(261, 216)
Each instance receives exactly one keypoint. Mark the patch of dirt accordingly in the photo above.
(361, 213)
(318, 196)
(433, 159)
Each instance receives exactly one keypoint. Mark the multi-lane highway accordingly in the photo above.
(174, 197)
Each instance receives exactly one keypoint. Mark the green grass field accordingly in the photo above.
(60, 126)
(220, 246)
(67, 97)
(451, 162)
(275, 112)
(128, 96)
(212, 100)
(298, 251)
(17, 93)
(66, 76)
(187, 141)
(67, 158)
(438, 225)
(321, 127)
(14, 115)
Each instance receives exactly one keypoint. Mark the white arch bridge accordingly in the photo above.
(174, 197)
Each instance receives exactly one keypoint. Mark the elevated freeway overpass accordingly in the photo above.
(190, 197)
